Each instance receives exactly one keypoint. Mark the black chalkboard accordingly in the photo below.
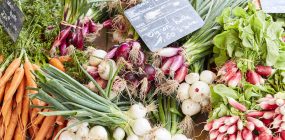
(11, 18)
(273, 6)
(161, 22)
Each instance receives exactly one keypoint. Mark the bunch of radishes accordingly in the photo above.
(75, 35)
(173, 63)
(232, 75)
(195, 92)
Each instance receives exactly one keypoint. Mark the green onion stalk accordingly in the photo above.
(200, 43)
(67, 97)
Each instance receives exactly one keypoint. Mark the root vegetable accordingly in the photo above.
(179, 137)
(236, 104)
(255, 114)
(133, 137)
(240, 125)
(250, 126)
(119, 134)
(199, 90)
(141, 127)
(232, 120)
(190, 107)
(150, 72)
(123, 51)
(247, 135)
(176, 64)
(235, 79)
(264, 70)
(166, 65)
(169, 51)
(111, 53)
(208, 126)
(214, 134)
(219, 122)
(67, 135)
(181, 73)
(192, 78)
(162, 134)
(137, 111)
(223, 129)
(183, 91)
(232, 129)
(252, 77)
(98, 132)
(97, 57)
(264, 136)
(207, 76)
(71, 122)
(82, 132)
(104, 69)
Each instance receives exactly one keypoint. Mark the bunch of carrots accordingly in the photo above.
(17, 118)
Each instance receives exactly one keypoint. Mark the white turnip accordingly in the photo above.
(141, 127)
(161, 134)
(207, 76)
(190, 107)
(137, 111)
(67, 135)
(98, 132)
(192, 78)
(70, 123)
(133, 137)
(183, 91)
(199, 91)
(119, 134)
(179, 137)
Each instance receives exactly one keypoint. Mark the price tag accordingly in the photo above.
(273, 6)
(161, 22)
(11, 18)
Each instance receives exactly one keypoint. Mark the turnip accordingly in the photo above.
(190, 107)
(199, 91)
(133, 137)
(96, 57)
(137, 111)
(104, 68)
(183, 91)
(192, 78)
(82, 132)
(179, 137)
(141, 127)
(207, 76)
(161, 134)
(67, 135)
(72, 122)
(98, 132)
(205, 102)
(119, 134)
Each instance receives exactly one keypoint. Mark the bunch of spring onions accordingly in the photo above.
(200, 43)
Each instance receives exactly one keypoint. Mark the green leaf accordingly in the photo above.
(224, 92)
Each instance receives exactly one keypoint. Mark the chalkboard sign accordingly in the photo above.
(273, 6)
(161, 22)
(11, 18)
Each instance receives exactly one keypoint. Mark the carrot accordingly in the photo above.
(25, 113)
(6, 90)
(5, 64)
(7, 116)
(10, 70)
(12, 126)
(63, 59)
(49, 121)
(19, 97)
(17, 78)
(59, 120)
(36, 67)
(50, 132)
(56, 63)
(18, 132)
(2, 91)
(57, 129)
(2, 129)
(38, 120)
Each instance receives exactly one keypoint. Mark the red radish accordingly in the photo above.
(219, 122)
(267, 122)
(150, 72)
(255, 114)
(250, 126)
(282, 126)
(276, 138)
(247, 135)
(268, 114)
(229, 74)
(108, 24)
(231, 120)
(235, 79)
(257, 123)
(236, 104)
(169, 51)
(261, 80)
(228, 66)
(264, 70)
(277, 122)
(283, 135)
(220, 137)
(176, 64)
(282, 110)
(181, 73)
(166, 65)
(214, 134)
(268, 96)
(266, 106)
(252, 77)
(232, 137)
(208, 126)
(223, 129)
(123, 51)
(264, 136)
(240, 125)
(111, 53)
(280, 102)
(232, 129)
(239, 136)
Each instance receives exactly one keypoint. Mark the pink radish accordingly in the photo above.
(240, 125)
(166, 65)
(236, 104)
(282, 126)
(268, 114)
(176, 64)
(229, 74)
(231, 120)
(223, 129)
(280, 102)
(219, 122)
(232, 129)
(252, 77)
(220, 137)
(214, 134)
(181, 73)
(208, 126)
(250, 126)
(239, 136)
(232, 137)
(228, 66)
(235, 80)
(283, 135)
(264, 70)
(282, 110)
(247, 135)
(276, 138)
(264, 136)
(255, 114)
(258, 124)
(169, 52)
(266, 106)
(266, 122)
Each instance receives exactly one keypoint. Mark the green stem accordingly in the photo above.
(173, 118)
(161, 111)
(168, 123)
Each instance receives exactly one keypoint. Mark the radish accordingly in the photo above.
(257, 123)
(255, 114)
(232, 137)
(235, 79)
(199, 90)
(280, 95)
(236, 104)
(67, 135)
(218, 123)
(104, 69)
(247, 135)
(282, 110)
(208, 126)
(181, 73)
(252, 77)
(133, 137)
(214, 134)
(264, 70)
(192, 78)
(266, 106)
(207, 76)
(71, 122)
(227, 67)
(176, 64)
(283, 134)
(232, 129)
(276, 138)
(97, 57)
(169, 51)
(179, 137)
(98, 132)
(264, 136)
(240, 125)
(182, 92)
(239, 136)
(166, 65)
(250, 126)
(161, 134)
(232, 120)
(223, 129)
(141, 126)
(137, 111)
(280, 102)
(190, 107)
(220, 137)
(119, 134)
(268, 114)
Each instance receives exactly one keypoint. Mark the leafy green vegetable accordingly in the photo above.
(250, 37)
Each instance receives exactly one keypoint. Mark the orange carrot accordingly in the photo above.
(39, 118)
(10, 70)
(2, 91)
(6, 90)
(19, 97)
(12, 126)
(50, 132)
(63, 59)
(60, 120)
(18, 132)
(2, 129)
(49, 121)
(36, 67)
(7, 117)
(25, 113)
(17, 78)
(56, 63)
(57, 129)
